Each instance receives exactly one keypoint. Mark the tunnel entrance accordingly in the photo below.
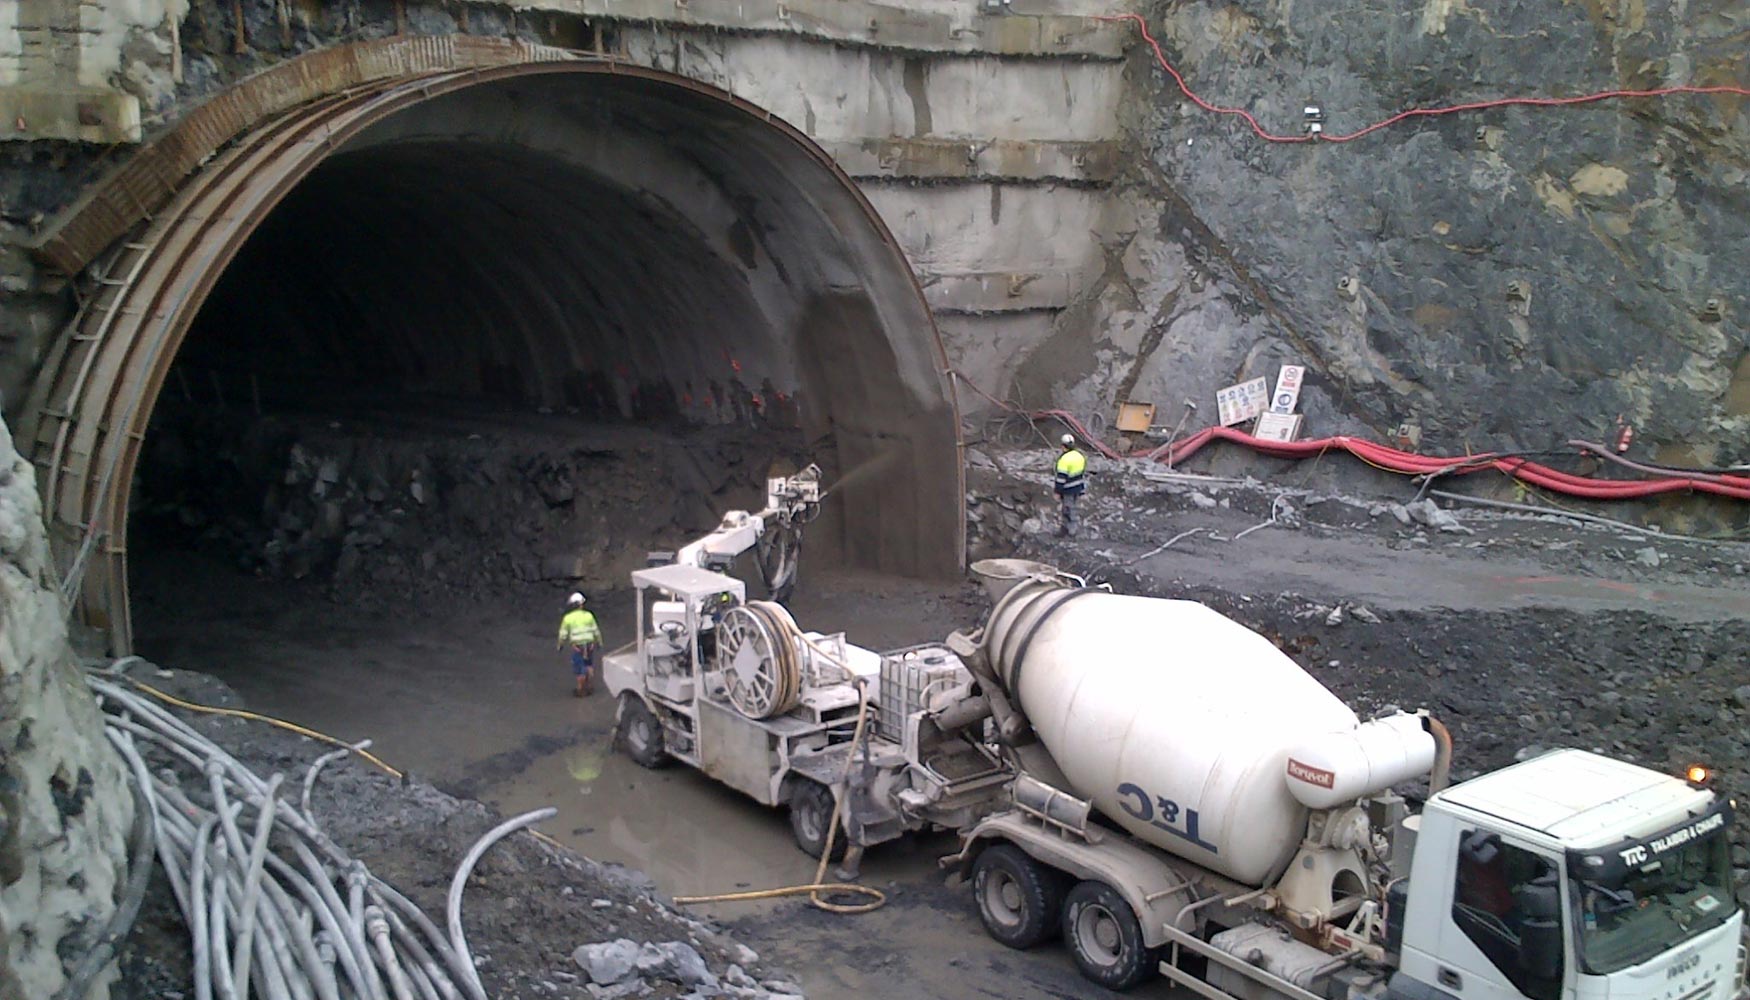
(520, 324)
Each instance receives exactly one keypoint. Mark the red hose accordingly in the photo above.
(1540, 102)
(1410, 463)
(1403, 462)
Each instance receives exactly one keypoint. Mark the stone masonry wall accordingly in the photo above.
(65, 807)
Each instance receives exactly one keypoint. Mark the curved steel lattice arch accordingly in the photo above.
(92, 402)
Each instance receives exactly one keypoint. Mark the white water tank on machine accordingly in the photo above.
(1176, 722)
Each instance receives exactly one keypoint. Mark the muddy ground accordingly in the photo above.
(1521, 633)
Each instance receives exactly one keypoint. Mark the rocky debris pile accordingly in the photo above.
(1424, 512)
(625, 968)
(528, 903)
(381, 510)
(999, 512)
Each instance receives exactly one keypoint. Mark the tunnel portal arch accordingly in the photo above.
(647, 199)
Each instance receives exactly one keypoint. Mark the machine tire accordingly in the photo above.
(640, 733)
(1105, 938)
(811, 806)
(1020, 900)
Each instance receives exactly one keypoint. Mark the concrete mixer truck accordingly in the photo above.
(1188, 801)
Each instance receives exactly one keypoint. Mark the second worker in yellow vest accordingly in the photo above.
(1071, 482)
(578, 629)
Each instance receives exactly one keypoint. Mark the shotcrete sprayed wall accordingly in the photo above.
(65, 810)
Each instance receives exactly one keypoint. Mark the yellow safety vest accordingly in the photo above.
(1072, 468)
(578, 628)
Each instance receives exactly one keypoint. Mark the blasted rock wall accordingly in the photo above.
(65, 808)
(1517, 276)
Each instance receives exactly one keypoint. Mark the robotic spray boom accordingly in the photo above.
(775, 532)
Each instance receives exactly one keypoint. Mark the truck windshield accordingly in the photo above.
(1628, 918)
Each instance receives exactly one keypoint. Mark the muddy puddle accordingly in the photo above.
(693, 836)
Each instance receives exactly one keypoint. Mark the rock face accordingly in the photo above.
(65, 807)
(1511, 277)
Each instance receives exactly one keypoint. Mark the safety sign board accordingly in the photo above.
(1287, 388)
(1277, 427)
(1241, 402)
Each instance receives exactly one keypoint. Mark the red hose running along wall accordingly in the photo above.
(1413, 464)
(1410, 463)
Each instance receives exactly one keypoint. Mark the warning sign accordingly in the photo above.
(1277, 427)
(1287, 388)
(1241, 402)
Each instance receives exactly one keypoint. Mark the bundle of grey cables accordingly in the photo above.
(276, 908)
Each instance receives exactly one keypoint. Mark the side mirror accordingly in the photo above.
(1540, 933)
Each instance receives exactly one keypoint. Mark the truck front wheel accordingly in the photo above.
(1105, 937)
(811, 807)
(640, 732)
(1019, 899)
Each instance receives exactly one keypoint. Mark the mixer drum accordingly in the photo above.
(1176, 722)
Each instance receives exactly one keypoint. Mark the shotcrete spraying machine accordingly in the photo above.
(737, 689)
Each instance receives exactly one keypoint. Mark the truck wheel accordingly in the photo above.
(811, 805)
(640, 733)
(1019, 899)
(1105, 938)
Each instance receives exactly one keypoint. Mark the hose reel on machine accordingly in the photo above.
(757, 651)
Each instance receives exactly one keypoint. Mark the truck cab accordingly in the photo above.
(1570, 876)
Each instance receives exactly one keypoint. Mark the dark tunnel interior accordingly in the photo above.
(530, 331)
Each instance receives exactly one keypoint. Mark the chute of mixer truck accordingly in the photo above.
(1190, 801)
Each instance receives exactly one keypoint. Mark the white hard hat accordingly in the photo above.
(575, 598)
(1069, 439)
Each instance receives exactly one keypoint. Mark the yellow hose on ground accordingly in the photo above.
(291, 727)
(238, 713)
(815, 888)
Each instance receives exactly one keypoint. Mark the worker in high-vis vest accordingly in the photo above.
(578, 629)
(1072, 482)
